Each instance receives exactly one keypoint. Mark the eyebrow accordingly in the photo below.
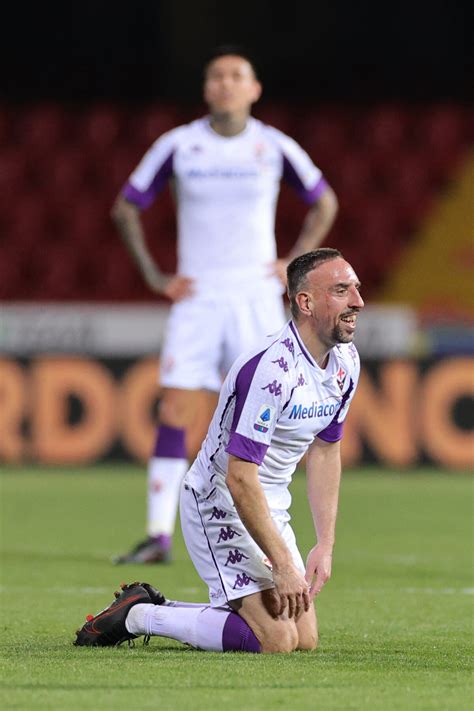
(346, 285)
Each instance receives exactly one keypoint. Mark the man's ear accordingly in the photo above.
(257, 92)
(304, 301)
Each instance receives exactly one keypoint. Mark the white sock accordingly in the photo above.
(164, 480)
(201, 627)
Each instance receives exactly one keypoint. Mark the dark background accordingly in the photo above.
(321, 51)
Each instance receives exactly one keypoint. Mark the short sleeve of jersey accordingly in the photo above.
(299, 171)
(262, 388)
(151, 174)
(335, 430)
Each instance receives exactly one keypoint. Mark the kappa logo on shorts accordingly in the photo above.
(264, 418)
(217, 513)
(242, 580)
(227, 534)
(235, 556)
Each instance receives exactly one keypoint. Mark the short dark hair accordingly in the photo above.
(225, 50)
(299, 268)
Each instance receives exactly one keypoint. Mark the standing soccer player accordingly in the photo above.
(226, 170)
(287, 397)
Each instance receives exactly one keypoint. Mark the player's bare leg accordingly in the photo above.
(307, 626)
(277, 634)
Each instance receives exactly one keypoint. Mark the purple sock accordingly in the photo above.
(237, 636)
(170, 443)
(201, 626)
(163, 540)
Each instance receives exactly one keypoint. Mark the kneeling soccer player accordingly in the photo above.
(286, 399)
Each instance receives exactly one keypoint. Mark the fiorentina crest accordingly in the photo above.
(341, 378)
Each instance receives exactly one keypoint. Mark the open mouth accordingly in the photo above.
(350, 320)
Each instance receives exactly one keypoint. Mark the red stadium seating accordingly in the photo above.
(40, 129)
(279, 116)
(26, 221)
(354, 178)
(66, 172)
(13, 172)
(11, 276)
(5, 121)
(383, 129)
(60, 170)
(101, 127)
(148, 123)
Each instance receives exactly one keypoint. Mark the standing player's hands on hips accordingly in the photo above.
(178, 287)
(291, 591)
(174, 286)
(318, 569)
(278, 269)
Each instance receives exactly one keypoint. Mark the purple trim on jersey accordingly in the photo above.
(211, 458)
(334, 431)
(170, 443)
(314, 194)
(144, 199)
(242, 386)
(303, 349)
(246, 449)
(237, 636)
(291, 177)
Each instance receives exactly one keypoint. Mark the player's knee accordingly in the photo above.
(284, 640)
(173, 411)
(307, 639)
(308, 631)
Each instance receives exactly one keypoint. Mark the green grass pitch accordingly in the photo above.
(395, 620)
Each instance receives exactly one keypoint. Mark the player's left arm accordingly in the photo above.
(317, 223)
(323, 473)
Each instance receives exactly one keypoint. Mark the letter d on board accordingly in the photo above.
(55, 439)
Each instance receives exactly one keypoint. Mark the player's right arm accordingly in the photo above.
(251, 504)
(144, 184)
(126, 217)
(263, 384)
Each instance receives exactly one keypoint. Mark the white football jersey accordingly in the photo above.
(272, 405)
(226, 190)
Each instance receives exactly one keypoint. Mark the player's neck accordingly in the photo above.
(229, 124)
(318, 350)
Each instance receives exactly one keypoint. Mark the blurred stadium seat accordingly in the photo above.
(100, 128)
(383, 129)
(40, 129)
(278, 115)
(146, 124)
(60, 171)
(66, 172)
(26, 220)
(13, 172)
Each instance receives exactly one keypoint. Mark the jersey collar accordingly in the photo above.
(326, 374)
(210, 130)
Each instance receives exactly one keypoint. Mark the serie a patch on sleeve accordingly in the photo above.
(264, 418)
